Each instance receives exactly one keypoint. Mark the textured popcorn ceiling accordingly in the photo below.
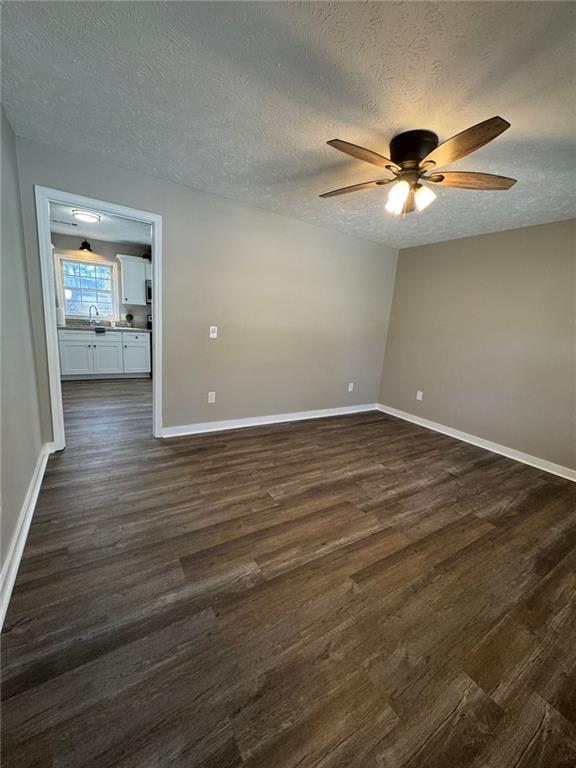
(239, 99)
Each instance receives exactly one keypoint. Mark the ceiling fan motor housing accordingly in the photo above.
(412, 146)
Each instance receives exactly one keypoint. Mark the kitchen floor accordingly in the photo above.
(100, 411)
(351, 592)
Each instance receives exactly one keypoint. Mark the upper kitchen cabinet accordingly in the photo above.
(133, 279)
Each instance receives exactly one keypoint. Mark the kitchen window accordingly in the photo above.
(82, 283)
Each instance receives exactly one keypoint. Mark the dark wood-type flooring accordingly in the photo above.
(351, 592)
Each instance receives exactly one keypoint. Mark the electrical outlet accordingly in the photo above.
(419, 394)
(211, 397)
(351, 387)
(213, 331)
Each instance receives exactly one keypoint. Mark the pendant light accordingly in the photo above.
(86, 246)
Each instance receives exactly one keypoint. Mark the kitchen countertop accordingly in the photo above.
(108, 329)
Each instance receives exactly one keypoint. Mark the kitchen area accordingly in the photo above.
(103, 278)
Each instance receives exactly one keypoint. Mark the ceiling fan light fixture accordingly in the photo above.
(414, 154)
(423, 197)
(397, 197)
(87, 216)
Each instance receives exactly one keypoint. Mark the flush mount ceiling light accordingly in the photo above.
(414, 157)
(87, 216)
(86, 246)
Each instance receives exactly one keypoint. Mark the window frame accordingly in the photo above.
(60, 258)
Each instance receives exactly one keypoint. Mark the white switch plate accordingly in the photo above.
(351, 387)
(213, 331)
(419, 394)
(211, 397)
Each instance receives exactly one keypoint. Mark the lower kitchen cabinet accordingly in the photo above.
(76, 357)
(108, 357)
(87, 353)
(136, 357)
(136, 352)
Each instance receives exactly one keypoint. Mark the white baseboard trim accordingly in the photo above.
(258, 421)
(511, 453)
(12, 562)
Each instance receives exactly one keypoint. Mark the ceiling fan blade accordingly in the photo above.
(469, 180)
(361, 153)
(468, 141)
(357, 187)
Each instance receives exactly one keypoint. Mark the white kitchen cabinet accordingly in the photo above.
(108, 357)
(76, 358)
(136, 352)
(115, 353)
(136, 357)
(132, 279)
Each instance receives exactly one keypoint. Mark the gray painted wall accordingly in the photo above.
(21, 432)
(486, 328)
(301, 310)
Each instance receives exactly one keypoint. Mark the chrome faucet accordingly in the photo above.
(90, 313)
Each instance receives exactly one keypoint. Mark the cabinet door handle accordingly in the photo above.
(125, 346)
(89, 345)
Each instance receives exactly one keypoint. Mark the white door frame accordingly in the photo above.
(44, 196)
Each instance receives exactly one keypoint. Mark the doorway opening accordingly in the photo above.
(101, 266)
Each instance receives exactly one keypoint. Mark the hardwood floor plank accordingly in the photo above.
(349, 592)
(469, 718)
(536, 736)
(320, 738)
(107, 676)
(402, 567)
(298, 681)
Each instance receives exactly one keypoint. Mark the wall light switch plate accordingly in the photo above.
(419, 394)
(213, 331)
(211, 397)
(351, 387)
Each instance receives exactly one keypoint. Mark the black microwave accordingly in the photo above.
(148, 291)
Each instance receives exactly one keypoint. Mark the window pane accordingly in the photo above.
(75, 294)
(87, 270)
(74, 308)
(85, 284)
(70, 268)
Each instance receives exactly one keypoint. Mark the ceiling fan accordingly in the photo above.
(414, 157)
